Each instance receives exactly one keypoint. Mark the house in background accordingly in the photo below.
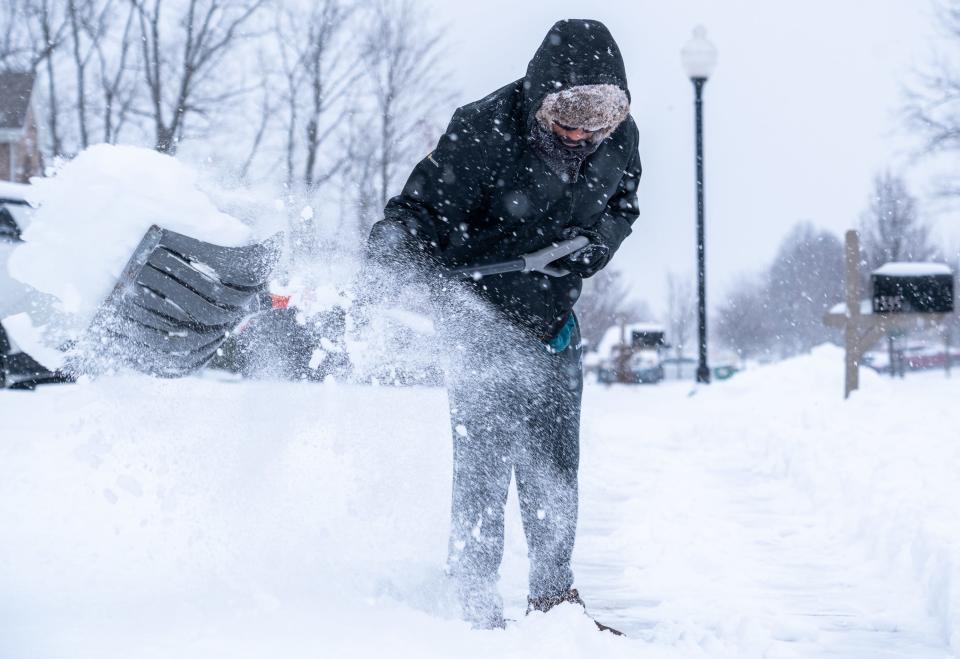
(19, 139)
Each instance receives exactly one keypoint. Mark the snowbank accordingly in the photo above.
(197, 518)
(882, 466)
(202, 519)
(94, 212)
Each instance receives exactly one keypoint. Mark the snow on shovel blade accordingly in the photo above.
(176, 302)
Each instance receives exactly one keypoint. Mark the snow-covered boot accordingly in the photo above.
(481, 604)
(481, 618)
(544, 604)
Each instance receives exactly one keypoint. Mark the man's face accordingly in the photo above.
(572, 136)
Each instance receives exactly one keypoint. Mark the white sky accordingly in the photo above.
(801, 112)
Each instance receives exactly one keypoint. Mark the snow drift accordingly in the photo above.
(93, 213)
(281, 519)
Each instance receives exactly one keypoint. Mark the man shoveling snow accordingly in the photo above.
(547, 158)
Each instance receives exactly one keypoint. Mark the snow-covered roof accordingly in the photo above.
(902, 269)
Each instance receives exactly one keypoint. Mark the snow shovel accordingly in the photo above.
(176, 302)
(538, 261)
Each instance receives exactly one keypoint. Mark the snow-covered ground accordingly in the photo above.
(760, 517)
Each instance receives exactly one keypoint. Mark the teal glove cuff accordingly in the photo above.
(561, 341)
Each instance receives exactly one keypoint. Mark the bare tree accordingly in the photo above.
(80, 60)
(318, 70)
(327, 79)
(182, 65)
(268, 107)
(681, 313)
(46, 26)
(933, 103)
(779, 312)
(10, 44)
(343, 85)
(88, 22)
(890, 228)
(803, 282)
(117, 59)
(16, 50)
(293, 74)
(743, 320)
(359, 174)
(402, 58)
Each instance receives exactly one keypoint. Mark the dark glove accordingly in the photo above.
(588, 260)
(386, 268)
(395, 259)
(391, 245)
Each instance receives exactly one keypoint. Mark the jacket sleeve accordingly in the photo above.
(616, 221)
(432, 215)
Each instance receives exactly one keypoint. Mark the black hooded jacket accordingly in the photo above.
(484, 194)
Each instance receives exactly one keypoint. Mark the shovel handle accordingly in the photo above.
(538, 261)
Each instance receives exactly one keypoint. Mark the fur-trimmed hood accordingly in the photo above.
(577, 77)
(598, 108)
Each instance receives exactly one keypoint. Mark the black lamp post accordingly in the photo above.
(699, 59)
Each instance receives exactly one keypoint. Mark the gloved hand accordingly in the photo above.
(394, 260)
(391, 245)
(588, 260)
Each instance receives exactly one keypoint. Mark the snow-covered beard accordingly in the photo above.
(563, 160)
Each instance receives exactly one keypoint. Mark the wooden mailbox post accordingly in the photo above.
(861, 325)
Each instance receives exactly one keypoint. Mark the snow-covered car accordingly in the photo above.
(642, 367)
(17, 368)
(637, 349)
(680, 368)
(914, 357)
(14, 216)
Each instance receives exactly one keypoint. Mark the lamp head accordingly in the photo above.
(699, 55)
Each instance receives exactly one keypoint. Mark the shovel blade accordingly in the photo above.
(175, 303)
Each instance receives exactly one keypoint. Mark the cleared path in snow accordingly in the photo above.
(689, 533)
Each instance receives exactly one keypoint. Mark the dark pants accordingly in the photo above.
(514, 408)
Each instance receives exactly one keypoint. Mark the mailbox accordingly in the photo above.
(647, 338)
(912, 288)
